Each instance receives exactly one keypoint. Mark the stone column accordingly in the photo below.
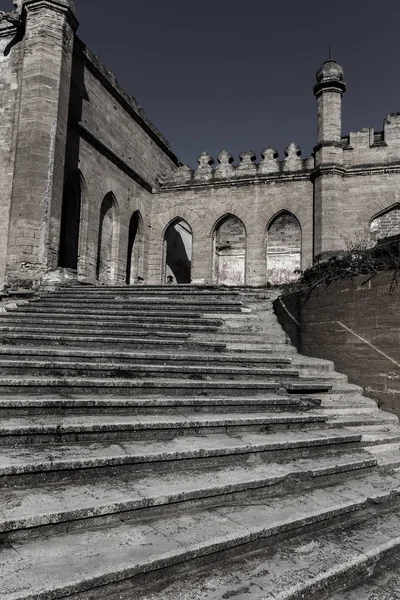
(328, 160)
(41, 136)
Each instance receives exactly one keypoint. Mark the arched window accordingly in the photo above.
(70, 222)
(107, 246)
(229, 245)
(283, 248)
(178, 243)
(134, 263)
(385, 225)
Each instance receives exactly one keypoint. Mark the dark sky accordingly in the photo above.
(238, 75)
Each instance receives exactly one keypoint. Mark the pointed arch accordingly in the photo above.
(177, 252)
(135, 258)
(74, 189)
(283, 248)
(106, 268)
(385, 224)
(229, 241)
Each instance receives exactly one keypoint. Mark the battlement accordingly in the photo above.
(224, 170)
(368, 147)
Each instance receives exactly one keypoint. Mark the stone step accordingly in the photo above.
(136, 293)
(165, 358)
(52, 406)
(47, 429)
(77, 385)
(118, 554)
(81, 368)
(104, 457)
(37, 309)
(27, 507)
(380, 577)
(168, 341)
(137, 303)
(362, 556)
(127, 320)
(97, 327)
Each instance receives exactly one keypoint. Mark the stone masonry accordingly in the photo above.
(73, 144)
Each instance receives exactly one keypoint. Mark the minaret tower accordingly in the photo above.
(329, 171)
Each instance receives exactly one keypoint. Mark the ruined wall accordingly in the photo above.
(254, 193)
(117, 150)
(356, 324)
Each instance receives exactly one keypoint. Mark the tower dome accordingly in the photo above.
(330, 76)
(329, 71)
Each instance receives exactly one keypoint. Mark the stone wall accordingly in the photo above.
(253, 193)
(118, 151)
(356, 324)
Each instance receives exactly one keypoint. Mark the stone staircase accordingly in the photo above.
(167, 443)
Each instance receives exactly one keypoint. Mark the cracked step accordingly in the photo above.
(110, 555)
(40, 505)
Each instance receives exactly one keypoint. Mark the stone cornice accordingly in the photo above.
(245, 181)
(363, 170)
(128, 103)
(60, 6)
(329, 86)
(8, 29)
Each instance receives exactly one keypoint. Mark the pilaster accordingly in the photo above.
(41, 137)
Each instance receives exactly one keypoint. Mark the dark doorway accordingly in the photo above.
(178, 242)
(70, 223)
(134, 263)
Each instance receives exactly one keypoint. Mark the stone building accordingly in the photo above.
(90, 187)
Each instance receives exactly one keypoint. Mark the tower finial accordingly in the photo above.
(330, 52)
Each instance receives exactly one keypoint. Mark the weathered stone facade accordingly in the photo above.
(89, 184)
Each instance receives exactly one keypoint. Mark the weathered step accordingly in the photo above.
(47, 429)
(164, 358)
(111, 555)
(37, 309)
(137, 303)
(75, 385)
(52, 406)
(199, 450)
(27, 507)
(379, 577)
(133, 342)
(59, 368)
(362, 556)
(143, 293)
(131, 320)
(99, 327)
(90, 330)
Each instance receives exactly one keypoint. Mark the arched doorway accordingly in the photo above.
(70, 222)
(178, 243)
(229, 249)
(134, 263)
(283, 249)
(107, 246)
(385, 225)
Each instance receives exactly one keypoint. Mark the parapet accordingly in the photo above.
(370, 147)
(225, 170)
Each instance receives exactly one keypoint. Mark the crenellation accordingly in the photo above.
(204, 171)
(270, 161)
(247, 165)
(224, 168)
(293, 160)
